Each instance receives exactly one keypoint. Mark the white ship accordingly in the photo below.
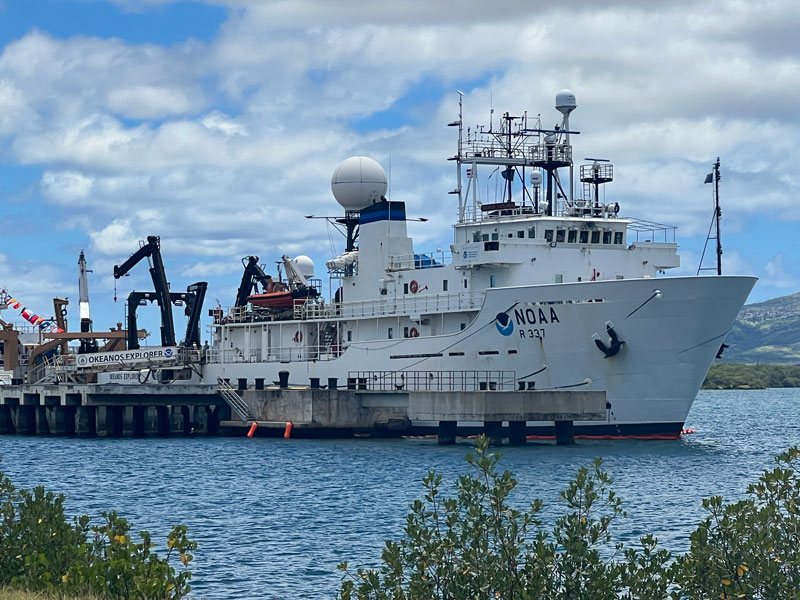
(542, 288)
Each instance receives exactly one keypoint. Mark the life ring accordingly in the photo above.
(553, 244)
(298, 337)
(413, 287)
(413, 332)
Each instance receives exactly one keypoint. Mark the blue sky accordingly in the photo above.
(217, 125)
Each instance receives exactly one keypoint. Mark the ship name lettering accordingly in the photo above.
(533, 316)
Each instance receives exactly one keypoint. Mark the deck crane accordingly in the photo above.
(252, 276)
(192, 299)
(152, 250)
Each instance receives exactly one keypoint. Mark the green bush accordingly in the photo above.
(475, 545)
(42, 550)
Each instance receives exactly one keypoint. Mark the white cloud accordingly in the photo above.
(148, 102)
(222, 148)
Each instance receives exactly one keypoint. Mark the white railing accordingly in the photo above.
(275, 354)
(424, 260)
(410, 305)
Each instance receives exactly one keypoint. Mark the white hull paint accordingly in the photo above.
(672, 328)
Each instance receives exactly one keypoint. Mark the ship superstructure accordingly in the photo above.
(539, 289)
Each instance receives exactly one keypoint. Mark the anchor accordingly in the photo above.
(614, 347)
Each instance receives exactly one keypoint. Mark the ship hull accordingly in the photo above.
(670, 330)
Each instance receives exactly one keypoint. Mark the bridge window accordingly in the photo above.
(560, 233)
(584, 237)
(548, 235)
(572, 236)
(391, 333)
(595, 237)
(531, 232)
(495, 237)
(606, 237)
(476, 236)
(492, 280)
(405, 288)
(444, 285)
(617, 237)
(520, 234)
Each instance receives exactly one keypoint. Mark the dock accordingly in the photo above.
(113, 410)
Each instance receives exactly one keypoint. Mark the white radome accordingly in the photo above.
(305, 265)
(358, 182)
(565, 102)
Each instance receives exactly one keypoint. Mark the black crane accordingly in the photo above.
(161, 295)
(192, 299)
(252, 276)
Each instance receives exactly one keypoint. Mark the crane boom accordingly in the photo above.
(152, 249)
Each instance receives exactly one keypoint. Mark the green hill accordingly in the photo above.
(766, 332)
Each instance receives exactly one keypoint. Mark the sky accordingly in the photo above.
(216, 125)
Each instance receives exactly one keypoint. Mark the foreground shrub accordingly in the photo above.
(42, 550)
(475, 545)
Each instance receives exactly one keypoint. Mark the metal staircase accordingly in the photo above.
(234, 400)
(330, 335)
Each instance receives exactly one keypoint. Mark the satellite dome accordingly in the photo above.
(565, 102)
(358, 182)
(305, 265)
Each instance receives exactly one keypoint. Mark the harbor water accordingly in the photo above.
(274, 517)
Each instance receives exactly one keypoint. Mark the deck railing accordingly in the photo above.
(443, 381)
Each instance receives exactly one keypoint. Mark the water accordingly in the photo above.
(274, 517)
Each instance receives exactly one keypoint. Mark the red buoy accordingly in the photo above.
(287, 433)
(252, 430)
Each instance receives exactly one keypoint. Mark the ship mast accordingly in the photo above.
(714, 178)
(515, 147)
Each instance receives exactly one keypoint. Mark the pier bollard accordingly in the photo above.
(447, 433)
(259, 383)
(362, 383)
(283, 378)
(492, 385)
(516, 433)
(351, 383)
(313, 383)
(333, 383)
(482, 386)
(242, 383)
(531, 385)
(521, 385)
(565, 433)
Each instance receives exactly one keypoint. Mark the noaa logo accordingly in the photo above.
(168, 352)
(504, 324)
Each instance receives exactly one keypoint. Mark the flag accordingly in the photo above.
(508, 174)
(710, 178)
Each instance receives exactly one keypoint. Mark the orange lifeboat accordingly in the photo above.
(284, 298)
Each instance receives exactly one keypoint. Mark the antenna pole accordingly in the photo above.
(717, 215)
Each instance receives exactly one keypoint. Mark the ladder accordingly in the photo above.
(330, 335)
(234, 400)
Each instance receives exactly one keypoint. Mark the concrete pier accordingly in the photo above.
(111, 410)
(89, 410)
(316, 412)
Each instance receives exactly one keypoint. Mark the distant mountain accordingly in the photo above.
(766, 332)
